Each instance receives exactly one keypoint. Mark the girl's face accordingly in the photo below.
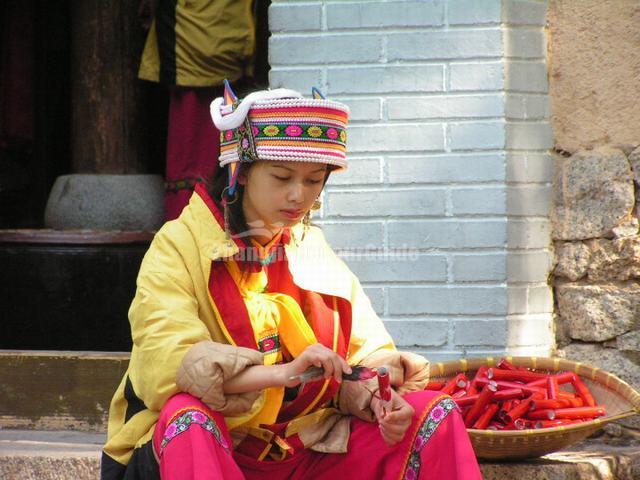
(278, 194)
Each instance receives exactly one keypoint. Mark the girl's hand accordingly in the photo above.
(394, 418)
(316, 355)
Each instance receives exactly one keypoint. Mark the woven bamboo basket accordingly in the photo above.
(619, 399)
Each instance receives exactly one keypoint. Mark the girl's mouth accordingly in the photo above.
(292, 214)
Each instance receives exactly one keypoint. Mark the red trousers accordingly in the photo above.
(192, 442)
(193, 145)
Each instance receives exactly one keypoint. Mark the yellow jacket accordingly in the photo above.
(179, 342)
(199, 43)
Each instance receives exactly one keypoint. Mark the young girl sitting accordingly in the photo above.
(238, 298)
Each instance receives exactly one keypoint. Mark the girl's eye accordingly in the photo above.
(282, 179)
(315, 182)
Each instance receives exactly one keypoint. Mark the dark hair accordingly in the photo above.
(216, 184)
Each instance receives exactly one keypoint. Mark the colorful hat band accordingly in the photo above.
(290, 128)
(295, 133)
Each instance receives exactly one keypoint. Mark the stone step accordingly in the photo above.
(58, 390)
(68, 455)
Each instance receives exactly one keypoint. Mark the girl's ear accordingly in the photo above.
(242, 177)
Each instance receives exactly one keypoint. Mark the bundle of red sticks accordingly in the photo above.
(507, 397)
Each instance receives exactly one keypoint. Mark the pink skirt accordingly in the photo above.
(192, 442)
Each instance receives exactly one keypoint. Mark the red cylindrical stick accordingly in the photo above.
(552, 388)
(434, 386)
(518, 375)
(459, 381)
(542, 414)
(519, 410)
(384, 384)
(478, 407)
(519, 424)
(503, 385)
(561, 379)
(575, 401)
(459, 393)
(485, 418)
(580, 412)
(583, 391)
(504, 364)
(555, 423)
(553, 404)
(500, 395)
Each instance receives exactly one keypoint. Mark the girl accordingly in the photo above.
(238, 298)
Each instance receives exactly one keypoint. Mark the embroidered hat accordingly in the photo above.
(281, 125)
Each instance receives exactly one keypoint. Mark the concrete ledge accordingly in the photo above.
(64, 455)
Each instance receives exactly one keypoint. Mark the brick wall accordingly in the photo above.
(447, 146)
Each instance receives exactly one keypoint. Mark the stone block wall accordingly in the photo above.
(597, 252)
(443, 213)
(594, 66)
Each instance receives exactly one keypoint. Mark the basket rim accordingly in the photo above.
(551, 364)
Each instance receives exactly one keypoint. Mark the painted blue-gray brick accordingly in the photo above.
(361, 171)
(345, 235)
(445, 45)
(479, 268)
(529, 267)
(362, 109)
(529, 200)
(321, 49)
(418, 333)
(470, 12)
(476, 76)
(524, 43)
(376, 297)
(524, 12)
(464, 167)
(283, 18)
(526, 76)
(478, 201)
(530, 330)
(476, 333)
(529, 233)
(525, 167)
(445, 106)
(477, 135)
(386, 14)
(454, 300)
(529, 135)
(298, 79)
(540, 299)
(392, 78)
(448, 234)
(397, 266)
(386, 203)
(526, 106)
(397, 137)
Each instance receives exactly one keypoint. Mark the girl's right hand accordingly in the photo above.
(316, 355)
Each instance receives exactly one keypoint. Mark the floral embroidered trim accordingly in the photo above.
(428, 427)
(192, 417)
(269, 344)
(286, 131)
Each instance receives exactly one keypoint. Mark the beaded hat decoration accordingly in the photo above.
(279, 125)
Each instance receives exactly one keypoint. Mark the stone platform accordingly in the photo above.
(66, 455)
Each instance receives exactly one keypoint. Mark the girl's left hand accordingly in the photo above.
(394, 419)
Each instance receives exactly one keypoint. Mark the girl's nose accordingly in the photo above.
(295, 193)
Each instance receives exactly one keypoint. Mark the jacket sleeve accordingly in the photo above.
(372, 346)
(173, 350)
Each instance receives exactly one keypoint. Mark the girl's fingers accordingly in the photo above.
(328, 366)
